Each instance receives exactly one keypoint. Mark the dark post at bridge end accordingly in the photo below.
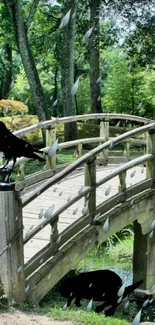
(11, 243)
(7, 186)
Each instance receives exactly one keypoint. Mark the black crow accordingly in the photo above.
(100, 285)
(13, 147)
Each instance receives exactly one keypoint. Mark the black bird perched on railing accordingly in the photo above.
(13, 147)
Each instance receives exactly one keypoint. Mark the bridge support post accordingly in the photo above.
(90, 180)
(150, 148)
(143, 257)
(11, 243)
(104, 133)
(127, 150)
(144, 245)
(50, 139)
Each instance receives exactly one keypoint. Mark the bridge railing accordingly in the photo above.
(104, 118)
(14, 197)
(51, 135)
(90, 199)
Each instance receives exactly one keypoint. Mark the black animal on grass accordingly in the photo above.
(13, 147)
(100, 285)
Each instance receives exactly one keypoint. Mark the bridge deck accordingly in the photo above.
(58, 196)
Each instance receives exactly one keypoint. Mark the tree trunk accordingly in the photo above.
(15, 11)
(67, 71)
(94, 57)
(7, 73)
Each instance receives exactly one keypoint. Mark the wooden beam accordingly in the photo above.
(50, 139)
(150, 165)
(90, 180)
(38, 177)
(143, 256)
(111, 205)
(79, 246)
(83, 117)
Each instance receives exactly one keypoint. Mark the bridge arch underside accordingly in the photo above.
(139, 209)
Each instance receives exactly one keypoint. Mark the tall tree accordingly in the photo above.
(94, 57)
(67, 69)
(15, 11)
(6, 71)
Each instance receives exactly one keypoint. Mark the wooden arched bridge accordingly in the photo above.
(51, 219)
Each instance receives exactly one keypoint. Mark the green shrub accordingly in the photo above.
(12, 107)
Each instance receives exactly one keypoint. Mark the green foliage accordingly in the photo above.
(85, 318)
(21, 91)
(11, 107)
(122, 86)
(148, 92)
(121, 252)
(83, 96)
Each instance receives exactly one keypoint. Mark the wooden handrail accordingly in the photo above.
(57, 213)
(130, 164)
(69, 119)
(120, 169)
(82, 222)
(83, 160)
(76, 142)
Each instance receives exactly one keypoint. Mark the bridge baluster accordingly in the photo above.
(79, 150)
(90, 180)
(54, 230)
(104, 133)
(21, 173)
(50, 139)
(127, 150)
(122, 180)
(150, 148)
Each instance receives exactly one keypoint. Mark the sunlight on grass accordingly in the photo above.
(122, 252)
(83, 317)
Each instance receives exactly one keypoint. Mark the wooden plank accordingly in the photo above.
(57, 213)
(50, 139)
(72, 252)
(125, 167)
(82, 222)
(90, 180)
(84, 159)
(38, 177)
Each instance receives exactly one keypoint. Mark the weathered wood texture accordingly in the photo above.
(11, 236)
(60, 193)
(84, 117)
(82, 243)
(84, 159)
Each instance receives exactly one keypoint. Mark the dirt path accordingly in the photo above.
(16, 317)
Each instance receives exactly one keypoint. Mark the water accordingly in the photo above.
(101, 261)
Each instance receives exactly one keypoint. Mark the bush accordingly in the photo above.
(12, 107)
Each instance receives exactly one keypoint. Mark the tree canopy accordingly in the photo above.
(73, 57)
